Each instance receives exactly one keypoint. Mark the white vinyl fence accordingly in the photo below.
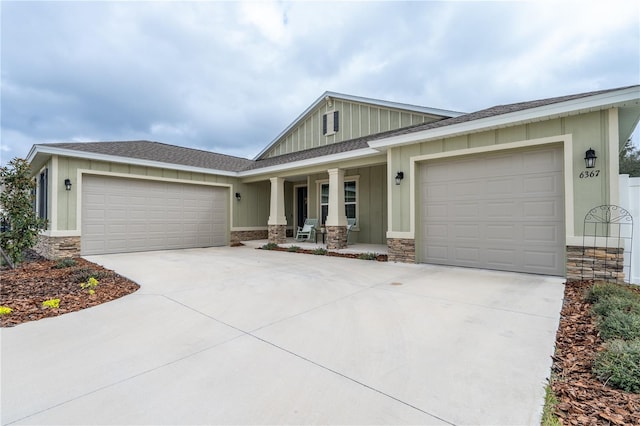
(630, 200)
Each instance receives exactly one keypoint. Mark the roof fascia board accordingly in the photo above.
(42, 149)
(315, 161)
(335, 95)
(575, 106)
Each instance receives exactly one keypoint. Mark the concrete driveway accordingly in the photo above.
(243, 336)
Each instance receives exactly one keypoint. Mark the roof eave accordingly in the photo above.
(45, 149)
(561, 109)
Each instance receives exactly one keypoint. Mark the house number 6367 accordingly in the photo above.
(589, 174)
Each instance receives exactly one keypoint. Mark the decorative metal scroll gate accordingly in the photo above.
(607, 232)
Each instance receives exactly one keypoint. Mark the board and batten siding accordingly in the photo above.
(588, 130)
(356, 120)
(251, 210)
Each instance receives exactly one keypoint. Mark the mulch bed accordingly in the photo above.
(379, 257)
(25, 288)
(583, 399)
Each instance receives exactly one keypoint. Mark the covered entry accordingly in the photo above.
(127, 215)
(502, 210)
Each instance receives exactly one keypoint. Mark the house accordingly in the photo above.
(503, 188)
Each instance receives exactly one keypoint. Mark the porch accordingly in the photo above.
(356, 248)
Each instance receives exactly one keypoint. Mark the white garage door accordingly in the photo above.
(503, 210)
(125, 215)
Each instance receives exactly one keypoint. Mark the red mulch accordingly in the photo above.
(583, 399)
(25, 288)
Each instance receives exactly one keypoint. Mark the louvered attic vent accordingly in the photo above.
(330, 123)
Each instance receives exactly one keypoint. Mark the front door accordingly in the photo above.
(301, 205)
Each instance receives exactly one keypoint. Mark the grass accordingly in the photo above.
(550, 402)
(269, 246)
(319, 252)
(368, 256)
(293, 249)
(619, 365)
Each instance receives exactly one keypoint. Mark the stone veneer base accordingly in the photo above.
(599, 263)
(278, 234)
(401, 250)
(336, 237)
(237, 236)
(57, 247)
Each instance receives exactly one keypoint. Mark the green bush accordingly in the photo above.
(319, 252)
(81, 275)
(270, 246)
(619, 365)
(620, 325)
(609, 304)
(368, 256)
(64, 263)
(602, 289)
(293, 249)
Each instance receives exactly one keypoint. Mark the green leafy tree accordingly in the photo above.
(16, 200)
(630, 160)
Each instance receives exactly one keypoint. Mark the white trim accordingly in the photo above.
(47, 149)
(400, 234)
(351, 178)
(575, 106)
(72, 233)
(390, 183)
(567, 144)
(613, 157)
(81, 172)
(294, 221)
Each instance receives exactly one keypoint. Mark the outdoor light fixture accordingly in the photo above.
(399, 177)
(238, 196)
(590, 158)
(67, 184)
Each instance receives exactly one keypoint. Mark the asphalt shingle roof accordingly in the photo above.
(171, 154)
(161, 152)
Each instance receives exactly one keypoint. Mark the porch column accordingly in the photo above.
(336, 223)
(277, 219)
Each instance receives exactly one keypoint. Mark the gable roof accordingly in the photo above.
(359, 99)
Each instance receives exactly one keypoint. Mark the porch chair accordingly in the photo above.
(307, 231)
(351, 223)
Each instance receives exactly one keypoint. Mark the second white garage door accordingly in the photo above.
(502, 211)
(126, 215)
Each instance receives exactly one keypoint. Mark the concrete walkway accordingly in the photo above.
(244, 336)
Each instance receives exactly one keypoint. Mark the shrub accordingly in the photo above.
(602, 289)
(609, 304)
(319, 252)
(5, 310)
(90, 285)
(65, 263)
(619, 365)
(81, 275)
(293, 249)
(368, 256)
(619, 324)
(51, 303)
(270, 246)
(548, 411)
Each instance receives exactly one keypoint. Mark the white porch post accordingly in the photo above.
(277, 219)
(336, 222)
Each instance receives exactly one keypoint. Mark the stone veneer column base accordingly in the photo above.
(278, 234)
(401, 250)
(237, 236)
(57, 247)
(599, 263)
(336, 237)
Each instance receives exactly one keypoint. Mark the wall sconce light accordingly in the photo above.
(590, 158)
(399, 177)
(67, 184)
(238, 196)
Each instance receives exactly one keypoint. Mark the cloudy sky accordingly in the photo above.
(230, 76)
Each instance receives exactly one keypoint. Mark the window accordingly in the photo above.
(350, 200)
(43, 184)
(330, 123)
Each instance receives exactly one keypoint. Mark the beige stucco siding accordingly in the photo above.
(590, 130)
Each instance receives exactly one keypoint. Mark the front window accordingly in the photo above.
(350, 200)
(43, 184)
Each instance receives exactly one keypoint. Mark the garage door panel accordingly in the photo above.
(499, 211)
(121, 215)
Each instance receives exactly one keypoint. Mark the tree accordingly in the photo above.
(16, 200)
(630, 160)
